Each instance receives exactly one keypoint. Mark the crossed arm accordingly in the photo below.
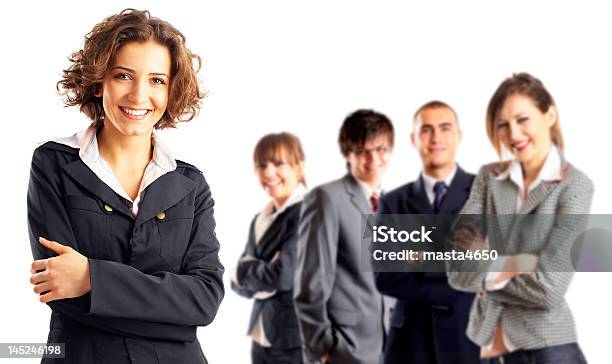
(112, 296)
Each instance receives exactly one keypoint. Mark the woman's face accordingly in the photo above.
(135, 89)
(524, 130)
(279, 178)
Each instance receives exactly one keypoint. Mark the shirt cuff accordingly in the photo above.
(496, 267)
(262, 295)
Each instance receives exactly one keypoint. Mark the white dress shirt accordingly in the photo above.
(430, 182)
(87, 143)
(368, 191)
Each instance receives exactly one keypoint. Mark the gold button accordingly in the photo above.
(161, 215)
(108, 208)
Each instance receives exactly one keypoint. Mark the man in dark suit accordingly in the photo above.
(338, 306)
(430, 318)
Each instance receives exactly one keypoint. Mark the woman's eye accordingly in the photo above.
(502, 125)
(522, 119)
(279, 163)
(122, 76)
(158, 81)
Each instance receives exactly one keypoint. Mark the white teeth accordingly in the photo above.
(135, 112)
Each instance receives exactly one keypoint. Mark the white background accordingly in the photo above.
(302, 67)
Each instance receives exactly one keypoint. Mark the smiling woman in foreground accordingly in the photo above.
(122, 233)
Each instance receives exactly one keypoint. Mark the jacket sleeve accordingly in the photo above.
(276, 274)
(244, 292)
(235, 285)
(317, 249)
(469, 276)
(47, 217)
(190, 297)
(546, 288)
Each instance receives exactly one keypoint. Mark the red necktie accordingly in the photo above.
(374, 202)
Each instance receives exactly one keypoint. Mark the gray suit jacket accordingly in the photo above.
(339, 308)
(531, 307)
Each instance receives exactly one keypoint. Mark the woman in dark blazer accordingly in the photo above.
(122, 233)
(533, 208)
(266, 269)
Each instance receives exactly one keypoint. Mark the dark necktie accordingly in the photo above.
(439, 193)
(374, 202)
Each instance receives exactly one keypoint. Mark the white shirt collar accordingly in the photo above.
(296, 196)
(87, 143)
(367, 190)
(552, 170)
(430, 181)
(268, 214)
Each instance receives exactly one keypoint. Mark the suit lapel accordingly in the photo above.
(162, 194)
(269, 239)
(417, 198)
(250, 247)
(356, 195)
(415, 203)
(504, 196)
(457, 193)
(505, 193)
(536, 196)
(84, 176)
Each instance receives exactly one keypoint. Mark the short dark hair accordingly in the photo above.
(363, 125)
(85, 75)
(435, 104)
(526, 85)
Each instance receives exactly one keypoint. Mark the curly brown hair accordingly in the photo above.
(82, 80)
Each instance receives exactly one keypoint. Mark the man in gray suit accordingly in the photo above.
(339, 308)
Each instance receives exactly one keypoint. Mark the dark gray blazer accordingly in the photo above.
(532, 307)
(154, 277)
(338, 305)
(268, 274)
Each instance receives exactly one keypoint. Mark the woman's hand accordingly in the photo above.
(517, 265)
(63, 276)
(467, 236)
